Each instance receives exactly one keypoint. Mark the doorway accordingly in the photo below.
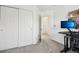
(45, 27)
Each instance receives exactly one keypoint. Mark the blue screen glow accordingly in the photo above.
(67, 24)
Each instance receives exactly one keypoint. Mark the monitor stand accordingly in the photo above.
(69, 30)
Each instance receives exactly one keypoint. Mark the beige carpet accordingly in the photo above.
(45, 46)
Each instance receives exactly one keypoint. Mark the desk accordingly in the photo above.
(71, 36)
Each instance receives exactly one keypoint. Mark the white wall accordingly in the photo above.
(60, 13)
(35, 11)
(54, 30)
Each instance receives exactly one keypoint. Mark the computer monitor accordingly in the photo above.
(67, 24)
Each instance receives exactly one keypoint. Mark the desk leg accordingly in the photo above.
(65, 44)
(71, 44)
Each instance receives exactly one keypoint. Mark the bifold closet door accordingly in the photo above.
(9, 28)
(25, 27)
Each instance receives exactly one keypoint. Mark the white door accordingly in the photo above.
(25, 28)
(9, 28)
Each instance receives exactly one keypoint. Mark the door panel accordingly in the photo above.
(9, 26)
(25, 27)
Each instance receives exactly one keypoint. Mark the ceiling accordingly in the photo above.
(45, 7)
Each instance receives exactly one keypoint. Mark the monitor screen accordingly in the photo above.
(67, 24)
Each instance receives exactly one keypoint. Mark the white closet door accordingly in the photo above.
(25, 28)
(9, 20)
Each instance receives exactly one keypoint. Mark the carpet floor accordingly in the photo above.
(45, 46)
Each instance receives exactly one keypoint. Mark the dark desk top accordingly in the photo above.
(65, 32)
(74, 34)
